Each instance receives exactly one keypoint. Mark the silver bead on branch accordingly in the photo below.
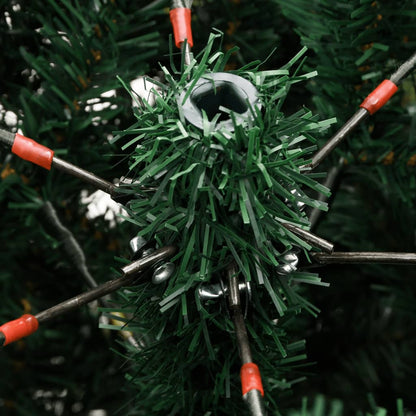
(214, 291)
(289, 264)
(161, 271)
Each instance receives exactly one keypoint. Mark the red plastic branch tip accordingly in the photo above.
(181, 22)
(19, 328)
(32, 151)
(379, 96)
(251, 378)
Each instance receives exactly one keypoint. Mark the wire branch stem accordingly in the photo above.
(310, 238)
(330, 180)
(358, 117)
(359, 257)
(338, 138)
(130, 273)
(253, 397)
(84, 175)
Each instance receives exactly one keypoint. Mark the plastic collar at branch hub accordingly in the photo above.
(220, 94)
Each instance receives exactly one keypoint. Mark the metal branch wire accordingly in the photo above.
(132, 273)
(339, 137)
(310, 238)
(176, 4)
(235, 306)
(253, 398)
(360, 257)
(330, 180)
(84, 175)
(185, 47)
(403, 70)
(70, 244)
(6, 137)
(75, 254)
(357, 118)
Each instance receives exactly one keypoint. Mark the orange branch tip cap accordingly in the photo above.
(19, 328)
(32, 151)
(376, 99)
(251, 378)
(181, 22)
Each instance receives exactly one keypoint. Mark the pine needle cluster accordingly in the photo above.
(220, 196)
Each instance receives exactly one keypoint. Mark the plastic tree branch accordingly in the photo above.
(75, 254)
(252, 387)
(28, 149)
(374, 101)
(28, 324)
